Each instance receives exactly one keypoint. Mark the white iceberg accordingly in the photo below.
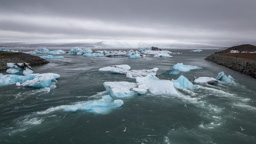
(76, 51)
(56, 52)
(93, 55)
(141, 73)
(14, 71)
(204, 80)
(120, 69)
(19, 68)
(162, 55)
(222, 77)
(184, 68)
(42, 51)
(183, 83)
(120, 89)
(87, 50)
(197, 50)
(156, 86)
(52, 57)
(133, 54)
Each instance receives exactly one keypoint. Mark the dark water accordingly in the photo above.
(223, 114)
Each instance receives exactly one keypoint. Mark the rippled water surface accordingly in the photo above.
(220, 114)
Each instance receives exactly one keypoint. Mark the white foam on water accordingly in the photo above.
(223, 93)
(33, 121)
(244, 106)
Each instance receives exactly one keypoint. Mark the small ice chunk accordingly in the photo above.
(157, 86)
(204, 79)
(134, 56)
(184, 68)
(101, 106)
(197, 50)
(93, 55)
(120, 69)
(222, 77)
(52, 57)
(87, 50)
(13, 71)
(172, 72)
(141, 73)
(27, 71)
(183, 82)
(42, 51)
(56, 52)
(120, 89)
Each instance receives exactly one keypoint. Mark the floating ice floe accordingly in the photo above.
(52, 57)
(156, 86)
(184, 68)
(197, 50)
(93, 55)
(76, 51)
(133, 54)
(172, 72)
(120, 69)
(102, 106)
(120, 89)
(19, 68)
(162, 55)
(141, 73)
(56, 52)
(205, 80)
(222, 77)
(40, 81)
(42, 51)
(183, 83)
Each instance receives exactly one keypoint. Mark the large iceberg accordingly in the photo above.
(120, 69)
(40, 80)
(156, 86)
(93, 55)
(42, 51)
(56, 52)
(52, 57)
(120, 89)
(183, 83)
(76, 51)
(19, 68)
(141, 73)
(184, 68)
(222, 77)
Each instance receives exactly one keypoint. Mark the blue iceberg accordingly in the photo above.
(184, 68)
(19, 68)
(183, 83)
(224, 78)
(52, 57)
(3, 49)
(56, 52)
(133, 54)
(76, 51)
(101, 106)
(42, 51)
(87, 50)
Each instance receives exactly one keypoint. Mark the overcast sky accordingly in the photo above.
(217, 22)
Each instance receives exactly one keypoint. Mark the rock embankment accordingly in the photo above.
(7, 57)
(243, 65)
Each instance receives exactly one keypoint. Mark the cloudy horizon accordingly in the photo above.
(218, 22)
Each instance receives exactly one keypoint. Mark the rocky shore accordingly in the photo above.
(7, 57)
(242, 62)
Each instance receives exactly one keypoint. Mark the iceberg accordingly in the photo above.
(222, 77)
(56, 52)
(164, 55)
(120, 69)
(102, 106)
(141, 73)
(87, 50)
(133, 54)
(197, 50)
(3, 49)
(184, 68)
(205, 80)
(93, 55)
(156, 86)
(42, 51)
(76, 51)
(40, 81)
(183, 83)
(19, 68)
(52, 57)
(120, 89)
